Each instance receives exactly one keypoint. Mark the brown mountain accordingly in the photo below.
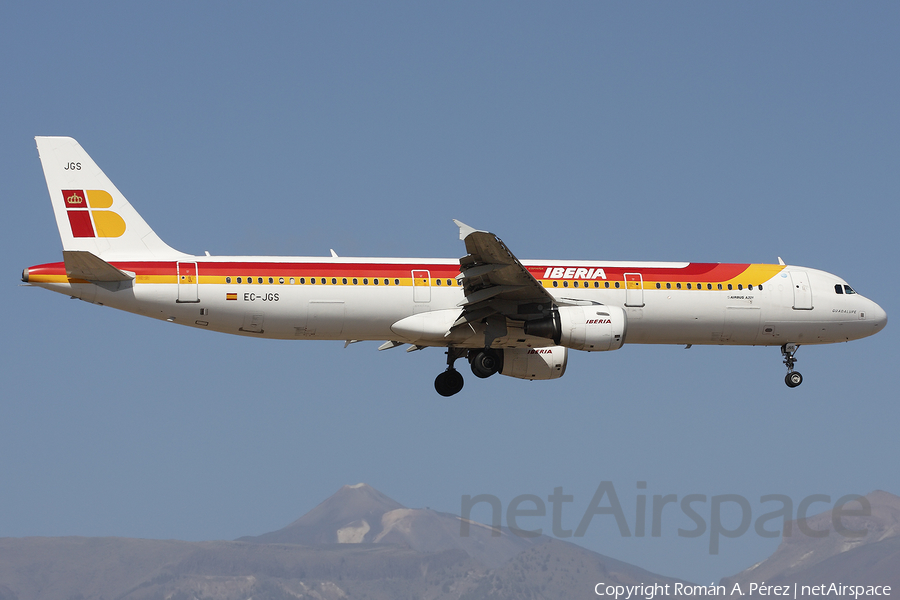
(351, 515)
(870, 559)
(357, 544)
(360, 514)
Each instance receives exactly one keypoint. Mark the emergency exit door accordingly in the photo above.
(421, 286)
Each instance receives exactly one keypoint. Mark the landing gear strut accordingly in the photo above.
(450, 381)
(793, 378)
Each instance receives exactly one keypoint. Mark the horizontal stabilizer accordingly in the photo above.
(81, 264)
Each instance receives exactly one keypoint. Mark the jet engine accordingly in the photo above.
(591, 328)
(534, 363)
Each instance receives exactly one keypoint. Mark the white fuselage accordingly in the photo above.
(766, 305)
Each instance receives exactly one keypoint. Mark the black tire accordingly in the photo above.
(485, 363)
(793, 379)
(448, 383)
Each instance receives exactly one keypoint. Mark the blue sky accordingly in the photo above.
(613, 131)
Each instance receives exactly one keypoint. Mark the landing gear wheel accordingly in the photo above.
(485, 363)
(793, 379)
(448, 383)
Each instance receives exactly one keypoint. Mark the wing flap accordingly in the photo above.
(494, 281)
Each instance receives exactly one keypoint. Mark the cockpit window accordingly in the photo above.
(838, 289)
(848, 289)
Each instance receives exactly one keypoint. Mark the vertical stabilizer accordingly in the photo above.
(92, 215)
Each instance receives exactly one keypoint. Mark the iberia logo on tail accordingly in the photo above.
(86, 221)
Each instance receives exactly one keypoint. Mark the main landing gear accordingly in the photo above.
(451, 381)
(793, 378)
(484, 363)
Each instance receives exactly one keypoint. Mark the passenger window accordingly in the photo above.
(271, 280)
(720, 286)
(709, 286)
(259, 279)
(438, 281)
(565, 284)
(323, 281)
(750, 287)
(365, 281)
(355, 281)
(238, 279)
(730, 287)
(658, 286)
(740, 286)
(555, 283)
(760, 287)
(689, 286)
(678, 286)
(617, 284)
(668, 286)
(281, 280)
(344, 281)
(334, 281)
(302, 280)
(375, 281)
(396, 282)
(596, 284)
(606, 284)
(292, 281)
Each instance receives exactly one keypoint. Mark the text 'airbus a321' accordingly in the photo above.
(516, 318)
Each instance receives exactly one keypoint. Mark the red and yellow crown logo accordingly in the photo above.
(85, 218)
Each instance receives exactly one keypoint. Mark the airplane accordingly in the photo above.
(514, 317)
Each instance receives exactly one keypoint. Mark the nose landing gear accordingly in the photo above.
(793, 378)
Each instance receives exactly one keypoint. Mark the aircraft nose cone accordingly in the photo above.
(878, 316)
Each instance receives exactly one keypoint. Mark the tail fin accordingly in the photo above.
(92, 215)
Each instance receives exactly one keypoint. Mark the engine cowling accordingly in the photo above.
(591, 328)
(535, 363)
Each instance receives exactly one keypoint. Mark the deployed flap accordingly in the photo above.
(494, 281)
(81, 264)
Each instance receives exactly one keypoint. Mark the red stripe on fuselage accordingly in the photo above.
(706, 272)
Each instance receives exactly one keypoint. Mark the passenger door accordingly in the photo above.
(802, 291)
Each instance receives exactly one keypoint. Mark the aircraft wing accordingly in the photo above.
(495, 282)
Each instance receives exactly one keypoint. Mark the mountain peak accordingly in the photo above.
(361, 514)
(799, 552)
(350, 515)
